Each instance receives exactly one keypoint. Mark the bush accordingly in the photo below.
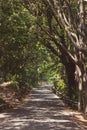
(59, 85)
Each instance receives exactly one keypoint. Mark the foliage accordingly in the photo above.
(59, 85)
(19, 48)
(44, 40)
(62, 24)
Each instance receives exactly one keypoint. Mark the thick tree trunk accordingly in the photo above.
(85, 105)
(80, 96)
(85, 93)
(85, 109)
(82, 42)
(70, 71)
(81, 78)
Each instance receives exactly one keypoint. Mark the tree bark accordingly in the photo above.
(80, 87)
(70, 73)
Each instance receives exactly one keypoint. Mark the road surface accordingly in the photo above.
(43, 110)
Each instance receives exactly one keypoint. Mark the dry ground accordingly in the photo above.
(42, 110)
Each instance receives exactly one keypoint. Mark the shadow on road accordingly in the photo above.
(42, 111)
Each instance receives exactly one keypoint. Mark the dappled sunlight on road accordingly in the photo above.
(42, 111)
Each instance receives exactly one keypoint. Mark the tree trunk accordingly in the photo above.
(85, 107)
(85, 93)
(70, 71)
(81, 78)
(80, 96)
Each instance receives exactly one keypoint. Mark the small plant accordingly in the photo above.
(15, 84)
(59, 85)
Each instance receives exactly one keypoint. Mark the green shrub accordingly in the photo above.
(15, 84)
(59, 85)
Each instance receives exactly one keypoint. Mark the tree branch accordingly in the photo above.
(61, 47)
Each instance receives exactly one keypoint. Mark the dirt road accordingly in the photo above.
(43, 110)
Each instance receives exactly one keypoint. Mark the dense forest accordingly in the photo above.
(45, 40)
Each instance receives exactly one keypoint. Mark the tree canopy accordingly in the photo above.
(42, 40)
